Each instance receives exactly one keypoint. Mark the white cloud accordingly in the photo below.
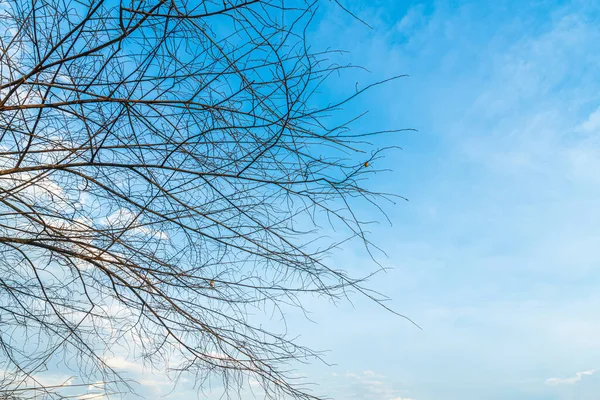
(371, 385)
(156, 383)
(124, 218)
(96, 386)
(413, 18)
(368, 373)
(253, 382)
(124, 364)
(570, 380)
(92, 396)
(592, 124)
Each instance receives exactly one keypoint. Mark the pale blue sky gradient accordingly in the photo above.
(496, 255)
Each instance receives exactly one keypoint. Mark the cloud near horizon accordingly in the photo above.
(570, 380)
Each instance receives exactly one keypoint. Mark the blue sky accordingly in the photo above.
(496, 253)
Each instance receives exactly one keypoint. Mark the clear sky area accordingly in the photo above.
(496, 253)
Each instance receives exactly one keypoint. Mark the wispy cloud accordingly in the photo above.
(592, 123)
(371, 385)
(570, 380)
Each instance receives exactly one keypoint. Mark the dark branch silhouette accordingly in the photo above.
(166, 172)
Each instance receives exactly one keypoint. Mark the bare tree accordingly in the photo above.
(165, 169)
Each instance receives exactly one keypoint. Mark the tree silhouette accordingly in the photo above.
(165, 171)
